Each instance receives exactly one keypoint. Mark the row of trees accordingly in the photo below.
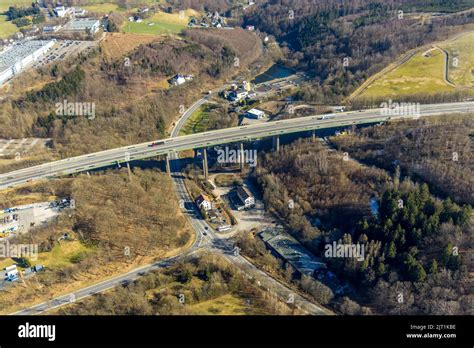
(18, 12)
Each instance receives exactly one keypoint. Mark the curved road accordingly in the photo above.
(206, 239)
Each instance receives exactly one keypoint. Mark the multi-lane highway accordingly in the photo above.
(168, 146)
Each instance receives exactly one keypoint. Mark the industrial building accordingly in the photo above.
(290, 250)
(15, 58)
(83, 25)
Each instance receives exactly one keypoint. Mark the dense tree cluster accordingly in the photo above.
(140, 214)
(412, 241)
(305, 182)
(439, 151)
(63, 88)
(401, 236)
(15, 12)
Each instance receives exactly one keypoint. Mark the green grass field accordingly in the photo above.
(62, 255)
(159, 23)
(5, 4)
(198, 122)
(461, 60)
(105, 7)
(423, 73)
(7, 28)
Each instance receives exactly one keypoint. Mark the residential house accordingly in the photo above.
(179, 79)
(51, 28)
(238, 94)
(79, 12)
(203, 202)
(255, 114)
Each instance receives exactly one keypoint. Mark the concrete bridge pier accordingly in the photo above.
(313, 135)
(241, 157)
(129, 171)
(168, 168)
(276, 143)
(204, 164)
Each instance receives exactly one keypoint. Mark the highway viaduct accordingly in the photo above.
(167, 147)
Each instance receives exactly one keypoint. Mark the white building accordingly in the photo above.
(79, 12)
(15, 58)
(83, 25)
(238, 95)
(179, 79)
(62, 11)
(246, 197)
(203, 202)
(255, 114)
(11, 273)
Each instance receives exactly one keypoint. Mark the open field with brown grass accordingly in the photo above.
(116, 45)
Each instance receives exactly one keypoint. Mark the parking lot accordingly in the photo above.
(21, 219)
(62, 50)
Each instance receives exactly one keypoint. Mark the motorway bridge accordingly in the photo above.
(170, 146)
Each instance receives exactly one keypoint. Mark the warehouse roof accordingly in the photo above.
(18, 52)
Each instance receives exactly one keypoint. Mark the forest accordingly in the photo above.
(15, 12)
(341, 43)
(414, 242)
(438, 151)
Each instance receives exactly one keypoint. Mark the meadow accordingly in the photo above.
(159, 23)
(461, 60)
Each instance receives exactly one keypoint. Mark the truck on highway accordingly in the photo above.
(156, 143)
